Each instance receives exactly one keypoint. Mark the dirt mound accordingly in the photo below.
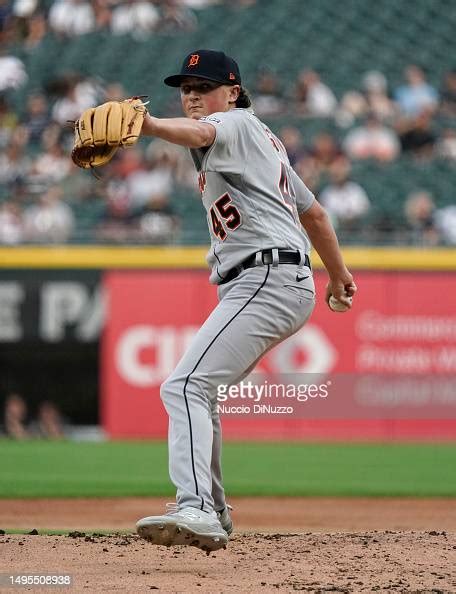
(280, 545)
(256, 562)
(260, 514)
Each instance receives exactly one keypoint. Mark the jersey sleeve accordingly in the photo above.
(224, 154)
(304, 197)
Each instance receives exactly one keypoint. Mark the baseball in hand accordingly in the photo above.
(337, 305)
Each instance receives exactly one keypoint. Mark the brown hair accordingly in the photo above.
(243, 99)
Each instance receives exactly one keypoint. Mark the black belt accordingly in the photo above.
(285, 257)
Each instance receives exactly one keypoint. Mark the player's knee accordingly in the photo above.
(169, 389)
(194, 388)
(165, 391)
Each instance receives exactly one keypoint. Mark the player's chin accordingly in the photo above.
(195, 114)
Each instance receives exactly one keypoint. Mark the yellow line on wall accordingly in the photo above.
(102, 257)
(105, 257)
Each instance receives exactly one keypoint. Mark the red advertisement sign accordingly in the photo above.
(403, 325)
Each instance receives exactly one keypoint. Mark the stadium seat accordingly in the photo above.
(341, 41)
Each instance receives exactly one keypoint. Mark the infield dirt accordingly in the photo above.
(280, 545)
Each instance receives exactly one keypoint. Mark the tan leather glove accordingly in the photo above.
(100, 131)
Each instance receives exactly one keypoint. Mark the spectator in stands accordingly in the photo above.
(11, 227)
(12, 72)
(315, 163)
(8, 122)
(445, 222)
(309, 172)
(54, 164)
(313, 98)
(184, 174)
(419, 209)
(24, 8)
(325, 151)
(373, 99)
(416, 94)
(49, 422)
(372, 140)
(36, 29)
(6, 14)
(417, 136)
(50, 165)
(352, 106)
(375, 87)
(28, 25)
(448, 94)
(51, 220)
(345, 200)
(115, 224)
(114, 92)
(175, 16)
(15, 417)
(14, 162)
(267, 96)
(71, 17)
(127, 163)
(36, 118)
(446, 145)
(113, 227)
(292, 140)
(102, 13)
(136, 17)
(76, 95)
(82, 190)
(152, 181)
(19, 193)
(116, 221)
(158, 222)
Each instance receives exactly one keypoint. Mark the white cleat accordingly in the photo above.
(188, 526)
(225, 519)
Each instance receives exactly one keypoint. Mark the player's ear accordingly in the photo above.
(234, 93)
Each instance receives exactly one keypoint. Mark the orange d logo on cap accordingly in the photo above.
(194, 59)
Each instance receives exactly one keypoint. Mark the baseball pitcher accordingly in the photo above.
(257, 208)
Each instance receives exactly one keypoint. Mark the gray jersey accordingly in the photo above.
(251, 193)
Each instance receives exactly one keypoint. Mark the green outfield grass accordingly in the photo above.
(68, 469)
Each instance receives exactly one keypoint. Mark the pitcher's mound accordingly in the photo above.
(310, 562)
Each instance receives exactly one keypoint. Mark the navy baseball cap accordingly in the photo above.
(207, 64)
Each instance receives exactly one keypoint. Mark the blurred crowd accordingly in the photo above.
(382, 123)
(377, 125)
(44, 198)
(27, 21)
(19, 424)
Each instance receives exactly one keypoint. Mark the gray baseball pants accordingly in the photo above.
(257, 310)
